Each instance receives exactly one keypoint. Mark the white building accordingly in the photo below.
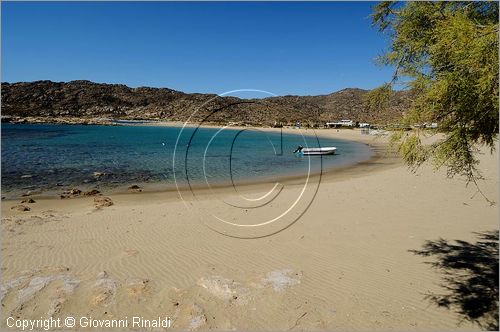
(341, 123)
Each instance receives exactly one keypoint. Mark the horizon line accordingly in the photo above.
(222, 94)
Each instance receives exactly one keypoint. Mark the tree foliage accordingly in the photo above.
(447, 54)
(378, 98)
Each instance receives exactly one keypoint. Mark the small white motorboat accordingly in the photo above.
(314, 151)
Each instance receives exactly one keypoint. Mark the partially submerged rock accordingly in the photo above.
(135, 188)
(28, 200)
(92, 192)
(137, 287)
(225, 289)
(6, 287)
(30, 285)
(75, 192)
(37, 283)
(281, 279)
(71, 193)
(100, 202)
(20, 208)
(189, 317)
(104, 290)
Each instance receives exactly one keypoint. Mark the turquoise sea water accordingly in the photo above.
(56, 157)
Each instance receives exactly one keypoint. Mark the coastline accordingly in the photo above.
(345, 264)
(380, 159)
(254, 166)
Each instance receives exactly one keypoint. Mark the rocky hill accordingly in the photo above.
(87, 101)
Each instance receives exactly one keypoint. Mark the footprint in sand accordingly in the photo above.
(131, 252)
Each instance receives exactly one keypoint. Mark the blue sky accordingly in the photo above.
(283, 48)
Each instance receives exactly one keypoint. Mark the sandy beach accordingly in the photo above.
(340, 260)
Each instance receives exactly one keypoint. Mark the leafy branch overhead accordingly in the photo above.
(447, 54)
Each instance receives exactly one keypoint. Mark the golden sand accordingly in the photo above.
(344, 264)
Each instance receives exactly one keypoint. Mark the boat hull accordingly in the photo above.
(318, 151)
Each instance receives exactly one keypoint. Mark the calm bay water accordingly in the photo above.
(56, 157)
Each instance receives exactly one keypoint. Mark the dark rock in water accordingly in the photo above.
(20, 208)
(135, 187)
(92, 192)
(100, 202)
(28, 200)
(75, 192)
(71, 193)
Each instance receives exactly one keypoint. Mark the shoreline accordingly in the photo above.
(346, 262)
(379, 160)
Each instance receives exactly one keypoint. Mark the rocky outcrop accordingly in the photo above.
(20, 208)
(100, 202)
(92, 192)
(28, 200)
(85, 102)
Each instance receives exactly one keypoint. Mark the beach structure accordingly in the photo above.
(341, 123)
(427, 125)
